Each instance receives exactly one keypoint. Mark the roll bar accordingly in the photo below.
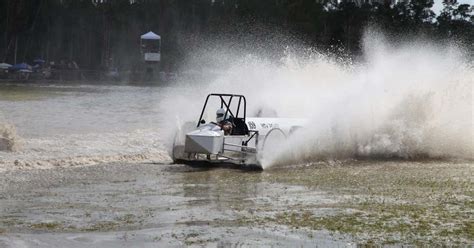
(227, 104)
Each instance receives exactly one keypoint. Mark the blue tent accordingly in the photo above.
(5, 66)
(21, 66)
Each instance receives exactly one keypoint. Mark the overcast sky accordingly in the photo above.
(438, 4)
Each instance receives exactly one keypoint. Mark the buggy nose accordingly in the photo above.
(204, 141)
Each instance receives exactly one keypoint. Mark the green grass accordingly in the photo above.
(102, 226)
(47, 226)
(383, 203)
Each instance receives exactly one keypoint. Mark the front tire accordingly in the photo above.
(272, 145)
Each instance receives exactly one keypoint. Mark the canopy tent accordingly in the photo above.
(150, 36)
(22, 66)
(39, 61)
(5, 66)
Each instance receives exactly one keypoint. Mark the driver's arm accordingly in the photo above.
(227, 127)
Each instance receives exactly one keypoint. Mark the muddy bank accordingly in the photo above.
(337, 204)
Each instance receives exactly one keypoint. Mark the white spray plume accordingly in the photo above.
(407, 101)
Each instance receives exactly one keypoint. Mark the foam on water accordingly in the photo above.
(411, 100)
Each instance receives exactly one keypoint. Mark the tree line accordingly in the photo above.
(103, 33)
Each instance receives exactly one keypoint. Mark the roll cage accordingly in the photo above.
(237, 118)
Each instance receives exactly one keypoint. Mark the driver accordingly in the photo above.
(222, 122)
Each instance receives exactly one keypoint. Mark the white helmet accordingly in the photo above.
(220, 115)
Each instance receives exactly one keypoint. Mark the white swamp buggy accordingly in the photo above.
(250, 141)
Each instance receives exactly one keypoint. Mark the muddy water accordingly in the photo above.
(67, 125)
(150, 205)
(51, 196)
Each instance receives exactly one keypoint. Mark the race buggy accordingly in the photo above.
(249, 142)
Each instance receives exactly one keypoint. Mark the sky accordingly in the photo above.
(438, 4)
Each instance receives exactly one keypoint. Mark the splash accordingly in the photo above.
(9, 140)
(85, 149)
(407, 100)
